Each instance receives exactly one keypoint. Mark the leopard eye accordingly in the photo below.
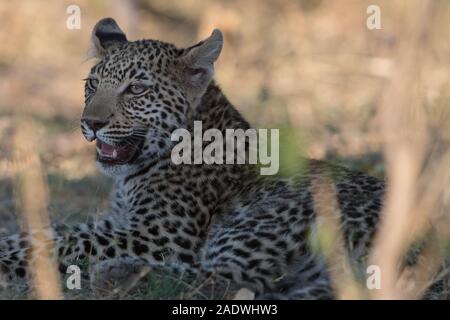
(92, 83)
(136, 89)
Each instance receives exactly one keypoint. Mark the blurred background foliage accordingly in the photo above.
(311, 66)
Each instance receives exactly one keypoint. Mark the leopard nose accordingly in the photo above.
(94, 124)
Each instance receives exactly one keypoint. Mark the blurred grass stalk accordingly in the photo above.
(414, 186)
(331, 240)
(32, 197)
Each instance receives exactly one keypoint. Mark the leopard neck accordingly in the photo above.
(216, 112)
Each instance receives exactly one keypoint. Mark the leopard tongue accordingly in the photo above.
(108, 150)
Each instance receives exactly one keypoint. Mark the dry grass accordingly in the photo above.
(332, 243)
(32, 196)
(408, 209)
(417, 183)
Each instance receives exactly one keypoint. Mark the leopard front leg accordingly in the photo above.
(80, 245)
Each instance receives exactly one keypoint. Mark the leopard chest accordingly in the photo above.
(165, 216)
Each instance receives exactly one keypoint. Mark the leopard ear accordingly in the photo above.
(198, 60)
(105, 35)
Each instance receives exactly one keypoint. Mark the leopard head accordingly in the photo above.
(139, 92)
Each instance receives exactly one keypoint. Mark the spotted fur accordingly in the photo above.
(221, 221)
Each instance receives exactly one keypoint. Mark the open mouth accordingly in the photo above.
(118, 154)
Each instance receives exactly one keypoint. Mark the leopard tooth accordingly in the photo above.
(114, 154)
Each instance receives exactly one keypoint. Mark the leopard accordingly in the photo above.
(218, 223)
